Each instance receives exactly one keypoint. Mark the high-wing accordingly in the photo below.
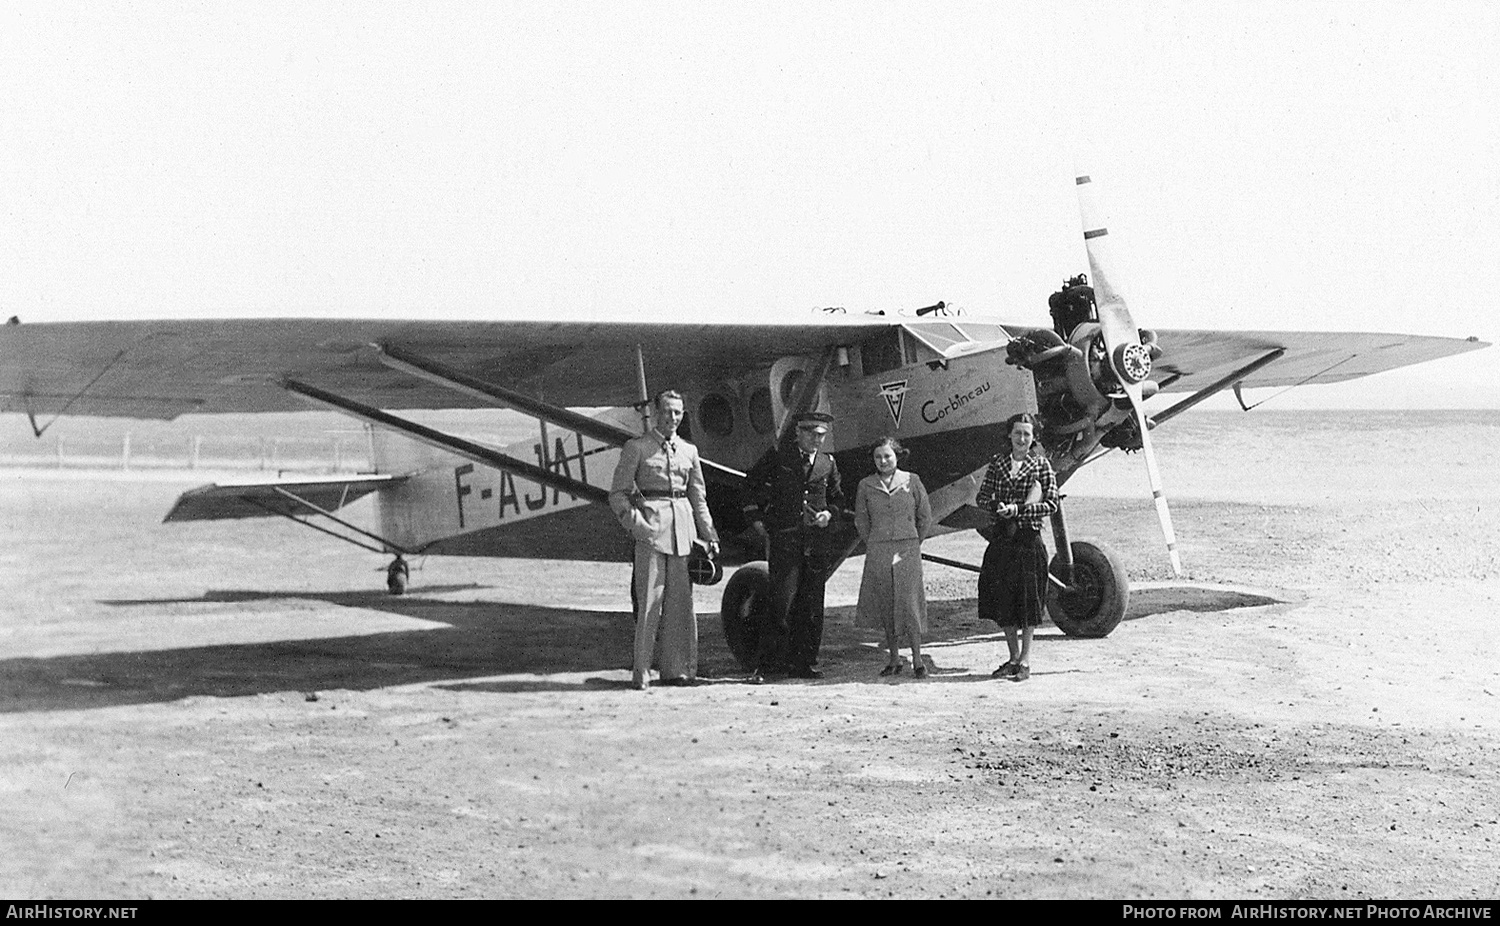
(1192, 359)
(162, 369)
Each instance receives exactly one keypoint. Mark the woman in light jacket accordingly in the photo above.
(893, 516)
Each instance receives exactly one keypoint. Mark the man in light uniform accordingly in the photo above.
(658, 496)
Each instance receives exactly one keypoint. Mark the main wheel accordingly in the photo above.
(1096, 603)
(746, 597)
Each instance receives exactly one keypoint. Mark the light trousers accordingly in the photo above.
(665, 625)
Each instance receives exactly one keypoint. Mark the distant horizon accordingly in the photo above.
(15, 430)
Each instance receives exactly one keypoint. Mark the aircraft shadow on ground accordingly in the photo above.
(474, 640)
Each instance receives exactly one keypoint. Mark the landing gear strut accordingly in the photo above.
(1089, 590)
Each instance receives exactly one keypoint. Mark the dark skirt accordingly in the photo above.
(1013, 580)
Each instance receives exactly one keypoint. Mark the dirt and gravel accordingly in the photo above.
(1313, 713)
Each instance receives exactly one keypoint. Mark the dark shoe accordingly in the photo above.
(891, 670)
(681, 681)
(1006, 670)
(757, 677)
(1022, 673)
(919, 672)
(805, 672)
(640, 682)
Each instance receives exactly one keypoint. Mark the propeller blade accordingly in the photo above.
(1122, 338)
(1114, 315)
(1128, 358)
(1154, 474)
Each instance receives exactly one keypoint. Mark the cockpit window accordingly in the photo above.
(948, 340)
(979, 331)
(882, 352)
(939, 336)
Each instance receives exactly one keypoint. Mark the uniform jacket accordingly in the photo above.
(650, 464)
(782, 483)
(903, 513)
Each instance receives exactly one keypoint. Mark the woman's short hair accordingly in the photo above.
(888, 441)
(1024, 418)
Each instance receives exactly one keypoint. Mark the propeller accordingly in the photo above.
(1128, 357)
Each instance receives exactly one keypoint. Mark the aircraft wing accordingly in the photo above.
(1192, 359)
(262, 498)
(162, 369)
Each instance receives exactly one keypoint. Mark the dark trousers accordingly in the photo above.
(792, 631)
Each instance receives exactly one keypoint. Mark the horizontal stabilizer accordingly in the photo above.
(259, 499)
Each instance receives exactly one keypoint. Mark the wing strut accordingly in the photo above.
(457, 445)
(1241, 398)
(645, 402)
(1219, 385)
(399, 358)
(30, 416)
(807, 395)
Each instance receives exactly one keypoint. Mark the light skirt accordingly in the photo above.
(890, 592)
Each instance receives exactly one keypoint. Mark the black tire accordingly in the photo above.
(1101, 592)
(746, 596)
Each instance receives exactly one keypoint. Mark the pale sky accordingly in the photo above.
(1280, 165)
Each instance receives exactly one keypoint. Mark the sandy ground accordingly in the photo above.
(195, 712)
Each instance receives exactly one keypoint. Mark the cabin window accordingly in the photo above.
(716, 414)
(762, 419)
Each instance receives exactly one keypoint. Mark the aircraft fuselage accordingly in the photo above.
(947, 412)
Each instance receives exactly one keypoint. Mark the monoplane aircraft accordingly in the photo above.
(943, 383)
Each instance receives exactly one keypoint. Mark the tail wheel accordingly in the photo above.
(1100, 592)
(397, 574)
(746, 597)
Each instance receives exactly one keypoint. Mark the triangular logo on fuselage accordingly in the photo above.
(895, 396)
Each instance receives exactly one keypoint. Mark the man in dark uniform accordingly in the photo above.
(794, 495)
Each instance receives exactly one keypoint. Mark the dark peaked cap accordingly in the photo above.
(815, 421)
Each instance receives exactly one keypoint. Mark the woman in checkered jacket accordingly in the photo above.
(1021, 489)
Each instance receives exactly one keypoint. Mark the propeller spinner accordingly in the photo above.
(1128, 357)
